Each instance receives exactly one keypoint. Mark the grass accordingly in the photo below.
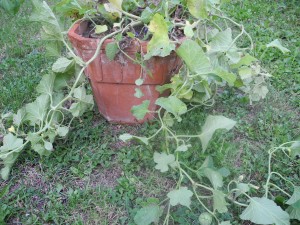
(93, 178)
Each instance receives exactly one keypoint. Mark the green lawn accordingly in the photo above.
(94, 178)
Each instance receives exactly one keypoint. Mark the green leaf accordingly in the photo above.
(214, 177)
(19, 117)
(85, 102)
(225, 223)
(44, 15)
(48, 145)
(194, 57)
(34, 138)
(111, 50)
(62, 65)
(10, 143)
(100, 29)
(125, 137)
(244, 61)
(182, 196)
(46, 84)
(40, 149)
(294, 210)
(295, 197)
(62, 131)
(188, 30)
(265, 211)
(37, 110)
(221, 42)
(160, 44)
(163, 161)
(198, 8)
(220, 203)
(9, 153)
(230, 78)
(183, 148)
(205, 218)
(4, 190)
(116, 3)
(276, 44)
(172, 105)
(295, 149)
(147, 15)
(212, 124)
(138, 93)
(243, 188)
(140, 111)
(139, 82)
(147, 215)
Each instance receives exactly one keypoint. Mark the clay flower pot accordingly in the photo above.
(113, 82)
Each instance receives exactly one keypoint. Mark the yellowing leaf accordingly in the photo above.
(159, 45)
(100, 29)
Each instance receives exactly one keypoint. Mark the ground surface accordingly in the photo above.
(93, 178)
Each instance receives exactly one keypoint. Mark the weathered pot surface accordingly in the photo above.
(113, 82)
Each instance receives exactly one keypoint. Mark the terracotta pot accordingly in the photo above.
(113, 82)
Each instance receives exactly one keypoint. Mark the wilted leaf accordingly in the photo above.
(140, 111)
(147, 215)
(194, 57)
(276, 44)
(125, 137)
(159, 45)
(212, 124)
(163, 161)
(265, 211)
(182, 196)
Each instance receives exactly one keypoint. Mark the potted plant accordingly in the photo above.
(211, 50)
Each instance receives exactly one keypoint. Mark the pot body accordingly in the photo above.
(113, 82)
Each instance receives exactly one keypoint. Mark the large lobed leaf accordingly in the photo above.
(265, 211)
(212, 124)
(194, 57)
(147, 215)
(182, 196)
